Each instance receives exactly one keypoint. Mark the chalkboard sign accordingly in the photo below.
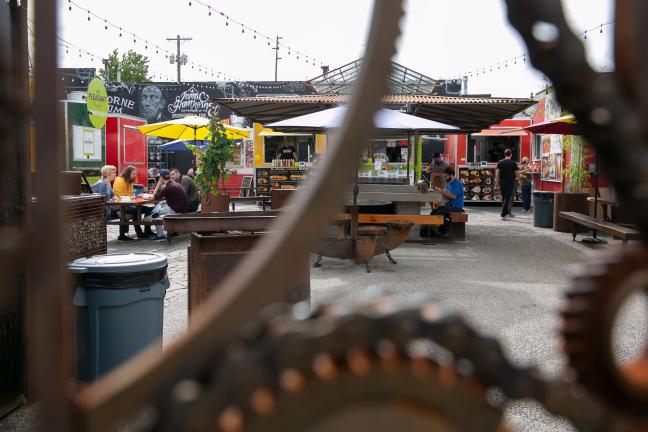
(246, 186)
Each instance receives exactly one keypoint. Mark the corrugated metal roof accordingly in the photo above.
(396, 99)
(467, 113)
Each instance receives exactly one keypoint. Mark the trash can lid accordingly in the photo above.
(119, 263)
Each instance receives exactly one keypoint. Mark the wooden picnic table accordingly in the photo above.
(123, 205)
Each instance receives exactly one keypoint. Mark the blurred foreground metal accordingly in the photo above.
(246, 366)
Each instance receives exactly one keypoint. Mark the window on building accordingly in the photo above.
(537, 147)
(302, 145)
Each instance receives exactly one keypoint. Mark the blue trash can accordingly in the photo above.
(543, 204)
(119, 302)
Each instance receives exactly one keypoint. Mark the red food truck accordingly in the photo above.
(126, 146)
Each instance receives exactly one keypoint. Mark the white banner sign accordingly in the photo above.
(87, 144)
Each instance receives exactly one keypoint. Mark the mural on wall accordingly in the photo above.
(551, 160)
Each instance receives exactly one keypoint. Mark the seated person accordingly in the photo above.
(454, 195)
(175, 200)
(123, 186)
(193, 195)
(103, 187)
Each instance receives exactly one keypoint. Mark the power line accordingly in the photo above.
(256, 33)
(123, 31)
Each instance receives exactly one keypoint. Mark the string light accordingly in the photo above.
(522, 57)
(209, 9)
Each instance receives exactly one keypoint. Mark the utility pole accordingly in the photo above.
(277, 58)
(106, 70)
(179, 39)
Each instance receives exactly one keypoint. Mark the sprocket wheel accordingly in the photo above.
(593, 303)
(331, 372)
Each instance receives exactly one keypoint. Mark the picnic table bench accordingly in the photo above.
(615, 230)
(457, 221)
(263, 199)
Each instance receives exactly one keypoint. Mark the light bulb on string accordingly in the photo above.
(585, 36)
(601, 31)
(69, 5)
(120, 32)
(242, 29)
(209, 7)
(227, 21)
(105, 25)
(189, 2)
(88, 15)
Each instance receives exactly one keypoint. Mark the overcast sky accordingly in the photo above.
(441, 38)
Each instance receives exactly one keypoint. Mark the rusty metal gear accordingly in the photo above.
(593, 303)
(331, 370)
(291, 370)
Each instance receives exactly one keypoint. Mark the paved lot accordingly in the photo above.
(506, 278)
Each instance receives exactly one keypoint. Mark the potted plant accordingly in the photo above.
(575, 193)
(211, 172)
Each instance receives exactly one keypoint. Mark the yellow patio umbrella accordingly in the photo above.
(188, 128)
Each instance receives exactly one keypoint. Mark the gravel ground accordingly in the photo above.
(507, 278)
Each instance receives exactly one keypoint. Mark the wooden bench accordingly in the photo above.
(615, 230)
(457, 221)
(157, 221)
(263, 199)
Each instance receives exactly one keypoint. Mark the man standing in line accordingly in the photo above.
(193, 195)
(526, 174)
(176, 200)
(453, 192)
(505, 174)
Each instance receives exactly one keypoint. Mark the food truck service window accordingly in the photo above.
(302, 145)
(491, 149)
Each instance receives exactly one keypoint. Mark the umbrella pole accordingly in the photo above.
(354, 208)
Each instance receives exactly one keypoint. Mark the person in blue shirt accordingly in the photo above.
(454, 196)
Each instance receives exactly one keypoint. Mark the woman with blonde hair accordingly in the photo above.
(103, 187)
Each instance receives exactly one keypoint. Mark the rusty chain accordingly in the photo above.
(285, 357)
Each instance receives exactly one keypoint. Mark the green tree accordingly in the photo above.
(133, 67)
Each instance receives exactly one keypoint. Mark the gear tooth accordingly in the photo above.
(358, 361)
(572, 328)
(231, 420)
(262, 401)
(324, 367)
(421, 367)
(580, 288)
(575, 308)
(292, 381)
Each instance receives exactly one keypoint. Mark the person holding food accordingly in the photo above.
(436, 170)
(453, 192)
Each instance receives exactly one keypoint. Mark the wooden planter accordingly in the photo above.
(281, 197)
(567, 201)
(214, 203)
(212, 257)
